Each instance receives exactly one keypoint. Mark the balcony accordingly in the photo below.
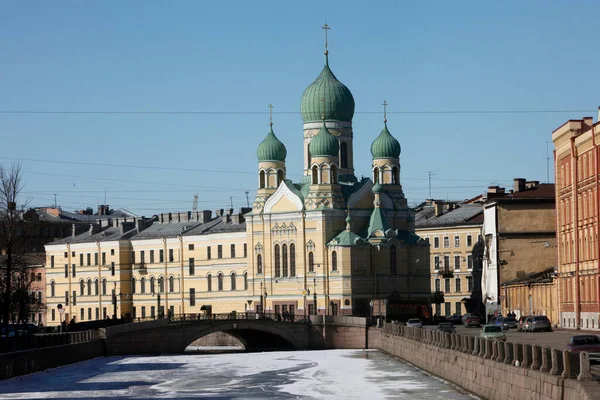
(141, 267)
(437, 297)
(446, 272)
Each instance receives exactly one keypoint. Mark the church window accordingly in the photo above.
(279, 176)
(334, 261)
(277, 261)
(375, 175)
(233, 278)
(220, 282)
(344, 155)
(395, 175)
(284, 259)
(315, 175)
(209, 283)
(261, 182)
(292, 260)
(89, 287)
(393, 269)
(334, 174)
(259, 266)
(52, 289)
(171, 284)
(311, 262)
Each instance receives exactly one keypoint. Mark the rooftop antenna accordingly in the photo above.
(247, 201)
(547, 164)
(104, 196)
(429, 175)
(231, 201)
(54, 200)
(195, 204)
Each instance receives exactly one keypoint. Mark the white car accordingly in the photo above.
(414, 323)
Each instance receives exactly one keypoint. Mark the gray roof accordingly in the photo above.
(464, 214)
(105, 235)
(77, 217)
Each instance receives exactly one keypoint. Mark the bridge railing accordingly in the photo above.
(28, 342)
(193, 318)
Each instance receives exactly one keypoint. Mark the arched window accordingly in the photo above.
(104, 286)
(220, 282)
(333, 261)
(161, 284)
(96, 287)
(261, 182)
(277, 261)
(334, 174)
(81, 287)
(344, 155)
(311, 262)
(152, 285)
(395, 175)
(52, 289)
(133, 285)
(171, 284)
(233, 277)
(245, 281)
(143, 285)
(393, 260)
(259, 266)
(284, 259)
(279, 176)
(292, 259)
(89, 287)
(209, 283)
(315, 175)
(375, 175)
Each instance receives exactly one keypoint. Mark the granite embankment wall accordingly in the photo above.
(488, 368)
(28, 361)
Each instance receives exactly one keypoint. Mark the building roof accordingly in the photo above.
(463, 214)
(385, 145)
(541, 191)
(544, 276)
(99, 234)
(347, 238)
(271, 148)
(338, 104)
(324, 144)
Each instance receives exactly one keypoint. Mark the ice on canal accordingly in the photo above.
(330, 374)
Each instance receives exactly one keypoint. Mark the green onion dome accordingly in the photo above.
(376, 188)
(338, 105)
(271, 149)
(385, 146)
(324, 144)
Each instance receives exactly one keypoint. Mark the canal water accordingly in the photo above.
(330, 374)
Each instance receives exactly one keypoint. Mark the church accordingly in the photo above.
(330, 244)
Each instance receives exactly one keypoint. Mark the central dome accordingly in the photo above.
(339, 103)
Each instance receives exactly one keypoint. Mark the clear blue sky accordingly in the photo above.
(232, 57)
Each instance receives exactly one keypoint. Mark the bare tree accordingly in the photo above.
(15, 277)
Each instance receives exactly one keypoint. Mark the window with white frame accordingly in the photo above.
(446, 241)
(456, 241)
(436, 262)
(456, 262)
(470, 261)
(469, 240)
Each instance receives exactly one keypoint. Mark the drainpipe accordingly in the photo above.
(100, 282)
(576, 232)
(69, 273)
(165, 258)
(182, 280)
(557, 277)
(597, 208)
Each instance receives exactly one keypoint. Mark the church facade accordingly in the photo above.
(329, 244)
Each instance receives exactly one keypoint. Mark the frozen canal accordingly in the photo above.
(332, 374)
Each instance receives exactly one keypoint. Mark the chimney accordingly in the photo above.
(518, 185)
(246, 210)
(531, 184)
(205, 216)
(494, 192)
(237, 218)
(219, 212)
(225, 218)
(140, 225)
(438, 207)
(73, 230)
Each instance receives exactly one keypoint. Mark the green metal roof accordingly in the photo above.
(347, 238)
(324, 144)
(385, 145)
(271, 149)
(338, 105)
(378, 222)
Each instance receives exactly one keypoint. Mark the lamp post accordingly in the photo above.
(263, 298)
(315, 295)
(115, 297)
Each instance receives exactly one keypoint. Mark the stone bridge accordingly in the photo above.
(166, 336)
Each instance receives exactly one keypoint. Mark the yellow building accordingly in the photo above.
(532, 294)
(328, 244)
(453, 231)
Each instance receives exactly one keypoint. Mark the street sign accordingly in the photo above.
(59, 306)
(304, 293)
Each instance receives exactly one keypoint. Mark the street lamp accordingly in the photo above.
(315, 295)
(114, 299)
(158, 312)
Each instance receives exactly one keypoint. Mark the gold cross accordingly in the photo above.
(323, 108)
(385, 104)
(270, 114)
(326, 28)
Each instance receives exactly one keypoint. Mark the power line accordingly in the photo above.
(158, 112)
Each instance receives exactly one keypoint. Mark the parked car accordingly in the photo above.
(446, 327)
(465, 316)
(527, 324)
(589, 343)
(492, 332)
(521, 323)
(540, 323)
(509, 323)
(499, 321)
(472, 320)
(414, 323)
(7, 331)
(455, 319)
